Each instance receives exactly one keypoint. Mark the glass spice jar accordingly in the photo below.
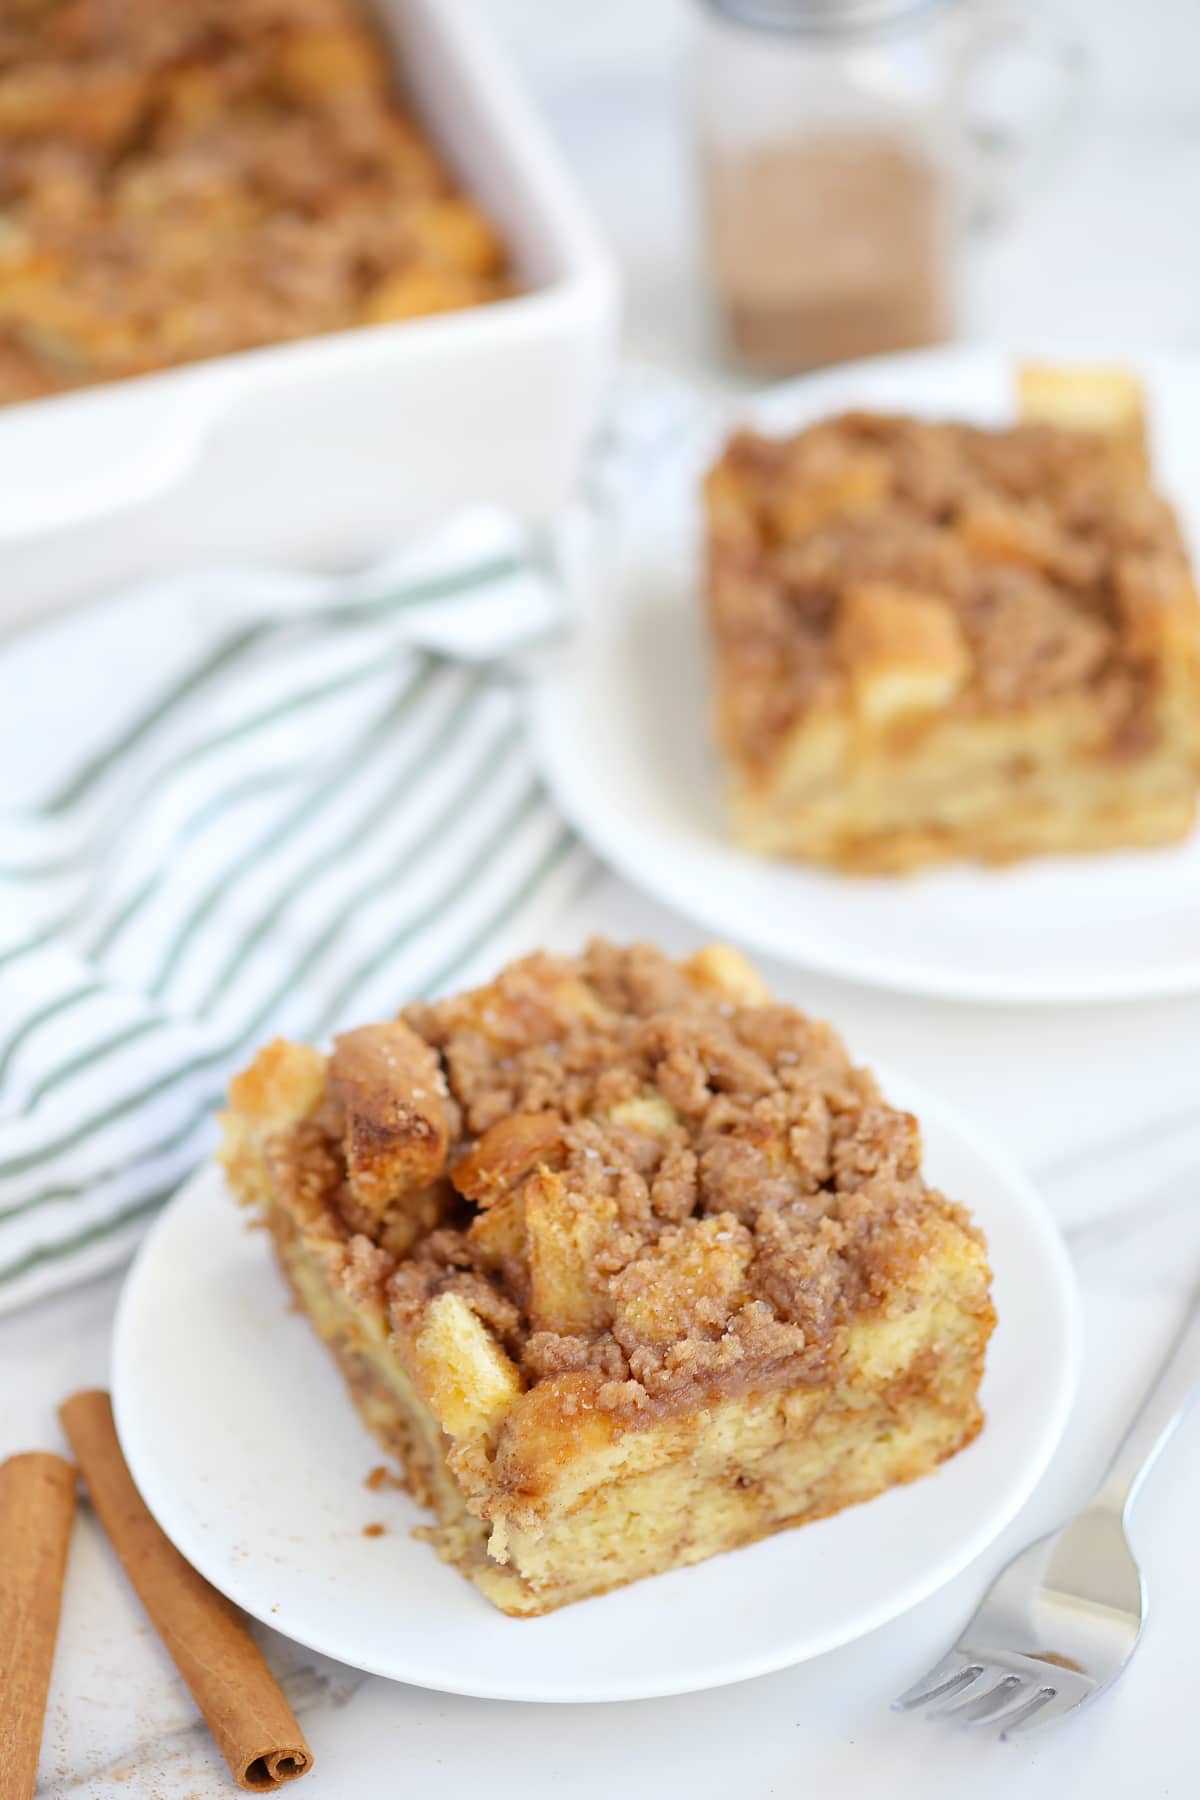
(844, 142)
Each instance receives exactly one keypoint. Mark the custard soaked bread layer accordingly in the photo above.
(934, 641)
(626, 1263)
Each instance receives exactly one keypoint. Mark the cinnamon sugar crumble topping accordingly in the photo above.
(1046, 545)
(647, 1179)
(180, 179)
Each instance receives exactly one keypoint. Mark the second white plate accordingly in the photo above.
(246, 1448)
(621, 723)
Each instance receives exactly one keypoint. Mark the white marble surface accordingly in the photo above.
(1103, 1106)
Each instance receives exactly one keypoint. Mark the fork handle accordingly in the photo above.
(1170, 1394)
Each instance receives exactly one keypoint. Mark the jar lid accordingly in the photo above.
(820, 17)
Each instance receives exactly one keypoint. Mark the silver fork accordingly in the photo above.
(1063, 1618)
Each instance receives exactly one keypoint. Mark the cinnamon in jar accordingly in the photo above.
(828, 246)
(830, 141)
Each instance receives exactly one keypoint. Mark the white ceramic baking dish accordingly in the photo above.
(324, 451)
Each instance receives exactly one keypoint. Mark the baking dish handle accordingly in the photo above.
(71, 460)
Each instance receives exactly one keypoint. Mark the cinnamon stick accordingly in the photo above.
(37, 1509)
(205, 1635)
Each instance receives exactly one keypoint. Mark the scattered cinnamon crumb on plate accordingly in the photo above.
(381, 1477)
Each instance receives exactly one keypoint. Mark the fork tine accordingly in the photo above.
(1051, 1705)
(944, 1675)
(975, 1685)
(1007, 1697)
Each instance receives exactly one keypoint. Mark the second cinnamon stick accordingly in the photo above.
(205, 1635)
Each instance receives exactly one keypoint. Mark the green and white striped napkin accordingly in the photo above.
(235, 804)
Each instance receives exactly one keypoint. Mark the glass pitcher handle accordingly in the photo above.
(1006, 136)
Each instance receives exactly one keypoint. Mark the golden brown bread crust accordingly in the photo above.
(386, 1101)
(1107, 400)
(506, 1153)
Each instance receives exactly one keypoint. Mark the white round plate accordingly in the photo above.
(246, 1448)
(621, 723)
